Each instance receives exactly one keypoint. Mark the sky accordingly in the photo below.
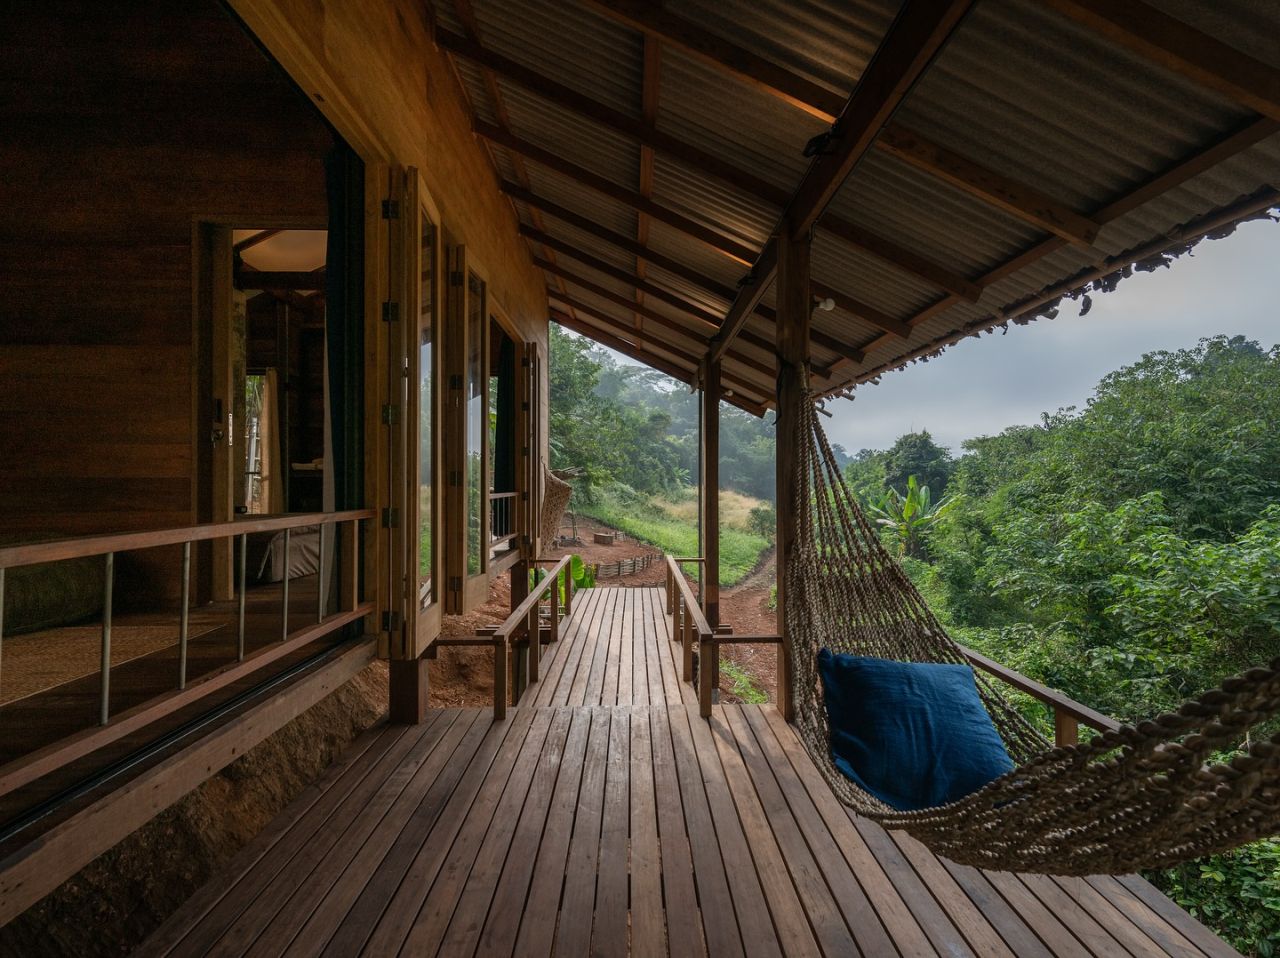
(981, 386)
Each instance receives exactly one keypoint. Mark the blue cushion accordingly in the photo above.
(914, 735)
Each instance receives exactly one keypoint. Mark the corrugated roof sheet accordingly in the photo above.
(1023, 91)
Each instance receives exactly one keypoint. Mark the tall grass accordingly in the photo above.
(670, 525)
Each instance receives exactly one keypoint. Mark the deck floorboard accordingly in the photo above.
(603, 816)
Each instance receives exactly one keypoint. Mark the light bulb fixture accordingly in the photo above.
(826, 305)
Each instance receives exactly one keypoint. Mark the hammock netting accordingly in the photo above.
(1145, 796)
(555, 500)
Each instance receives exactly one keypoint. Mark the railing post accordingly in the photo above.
(535, 637)
(671, 599)
(555, 612)
(350, 572)
(104, 710)
(568, 592)
(184, 616)
(244, 562)
(499, 679)
(284, 592)
(706, 674)
(686, 642)
(1066, 729)
(1, 622)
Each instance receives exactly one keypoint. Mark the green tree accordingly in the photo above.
(916, 454)
(908, 516)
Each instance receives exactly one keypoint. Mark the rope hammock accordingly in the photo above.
(1145, 796)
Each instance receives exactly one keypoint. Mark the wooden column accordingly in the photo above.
(710, 483)
(795, 305)
(709, 457)
(408, 682)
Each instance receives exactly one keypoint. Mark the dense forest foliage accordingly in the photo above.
(630, 425)
(1127, 553)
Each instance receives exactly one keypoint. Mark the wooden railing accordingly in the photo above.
(690, 627)
(525, 620)
(113, 728)
(502, 520)
(1068, 714)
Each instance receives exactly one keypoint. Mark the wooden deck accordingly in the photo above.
(603, 816)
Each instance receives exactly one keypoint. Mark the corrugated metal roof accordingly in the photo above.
(1024, 92)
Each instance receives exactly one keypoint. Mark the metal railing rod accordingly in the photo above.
(244, 561)
(284, 609)
(104, 710)
(320, 579)
(184, 620)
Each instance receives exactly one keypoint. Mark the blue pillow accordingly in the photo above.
(913, 734)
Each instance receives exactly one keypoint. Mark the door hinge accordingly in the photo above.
(392, 622)
(390, 518)
(524, 497)
(455, 381)
(391, 312)
(524, 361)
(390, 414)
(390, 209)
(455, 583)
(455, 278)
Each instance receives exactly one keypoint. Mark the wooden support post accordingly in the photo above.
(1066, 730)
(349, 574)
(708, 652)
(409, 686)
(535, 643)
(795, 306)
(710, 485)
(499, 681)
(686, 643)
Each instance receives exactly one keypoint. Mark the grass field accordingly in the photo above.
(671, 524)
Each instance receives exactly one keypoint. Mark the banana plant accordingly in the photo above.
(908, 516)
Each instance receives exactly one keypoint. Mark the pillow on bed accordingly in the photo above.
(913, 734)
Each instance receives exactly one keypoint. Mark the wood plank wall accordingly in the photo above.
(121, 124)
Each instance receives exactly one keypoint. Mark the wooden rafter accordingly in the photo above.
(911, 42)
(704, 322)
(251, 241)
(650, 86)
(246, 277)
(691, 156)
(688, 373)
(1008, 194)
(699, 342)
(469, 23)
(1180, 49)
(692, 276)
(1219, 150)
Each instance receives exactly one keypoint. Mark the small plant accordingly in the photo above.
(582, 575)
(744, 689)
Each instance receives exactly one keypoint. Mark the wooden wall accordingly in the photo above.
(121, 125)
(372, 69)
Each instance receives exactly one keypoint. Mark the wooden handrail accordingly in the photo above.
(54, 550)
(692, 626)
(1067, 713)
(526, 614)
(501, 495)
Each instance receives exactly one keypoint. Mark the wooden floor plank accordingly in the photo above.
(617, 821)
(311, 801)
(272, 919)
(609, 935)
(522, 919)
(481, 780)
(517, 808)
(471, 761)
(776, 779)
(887, 902)
(264, 875)
(483, 837)
(682, 812)
(955, 904)
(793, 888)
(579, 898)
(320, 897)
(696, 756)
(648, 927)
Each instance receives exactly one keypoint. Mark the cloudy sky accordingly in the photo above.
(979, 387)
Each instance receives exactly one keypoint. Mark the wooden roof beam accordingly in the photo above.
(830, 343)
(699, 160)
(909, 45)
(578, 306)
(718, 290)
(755, 406)
(1181, 49)
(1015, 198)
(705, 322)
